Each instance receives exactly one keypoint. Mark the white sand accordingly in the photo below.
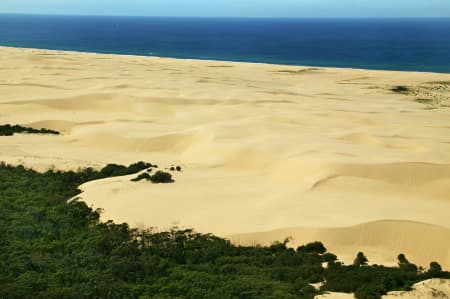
(433, 288)
(261, 148)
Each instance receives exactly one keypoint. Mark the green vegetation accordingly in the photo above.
(401, 89)
(220, 66)
(175, 168)
(112, 170)
(299, 71)
(160, 177)
(424, 101)
(142, 176)
(440, 82)
(360, 260)
(9, 130)
(52, 248)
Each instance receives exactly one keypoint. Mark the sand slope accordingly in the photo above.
(433, 288)
(381, 241)
(263, 147)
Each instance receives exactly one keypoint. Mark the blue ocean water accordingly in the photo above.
(392, 44)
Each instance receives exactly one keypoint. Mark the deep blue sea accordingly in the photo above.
(391, 44)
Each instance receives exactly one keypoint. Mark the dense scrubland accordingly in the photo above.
(53, 247)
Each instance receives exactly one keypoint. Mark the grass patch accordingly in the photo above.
(440, 82)
(298, 71)
(401, 89)
(10, 130)
(424, 101)
(220, 66)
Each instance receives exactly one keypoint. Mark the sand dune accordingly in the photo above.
(262, 147)
(433, 288)
(381, 241)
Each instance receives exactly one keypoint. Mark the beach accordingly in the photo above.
(267, 151)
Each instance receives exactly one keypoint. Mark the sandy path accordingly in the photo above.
(263, 147)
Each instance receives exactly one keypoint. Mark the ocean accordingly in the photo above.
(389, 44)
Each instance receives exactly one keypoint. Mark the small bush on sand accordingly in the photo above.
(424, 101)
(161, 177)
(142, 176)
(401, 89)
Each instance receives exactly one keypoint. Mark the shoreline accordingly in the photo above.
(229, 61)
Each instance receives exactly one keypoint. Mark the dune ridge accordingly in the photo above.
(381, 241)
(263, 147)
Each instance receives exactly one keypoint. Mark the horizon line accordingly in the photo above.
(222, 17)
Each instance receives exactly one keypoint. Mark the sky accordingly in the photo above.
(234, 8)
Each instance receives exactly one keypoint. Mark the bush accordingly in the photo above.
(369, 292)
(405, 265)
(401, 89)
(120, 170)
(360, 260)
(435, 267)
(315, 247)
(161, 177)
(142, 176)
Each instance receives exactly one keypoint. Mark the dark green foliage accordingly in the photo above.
(424, 101)
(316, 247)
(120, 170)
(401, 89)
(175, 168)
(371, 282)
(142, 176)
(52, 248)
(360, 260)
(329, 258)
(405, 265)
(370, 291)
(161, 177)
(435, 267)
(9, 130)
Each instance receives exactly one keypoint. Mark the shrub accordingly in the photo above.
(405, 265)
(370, 291)
(315, 247)
(142, 176)
(435, 267)
(424, 101)
(360, 260)
(120, 170)
(401, 89)
(161, 177)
